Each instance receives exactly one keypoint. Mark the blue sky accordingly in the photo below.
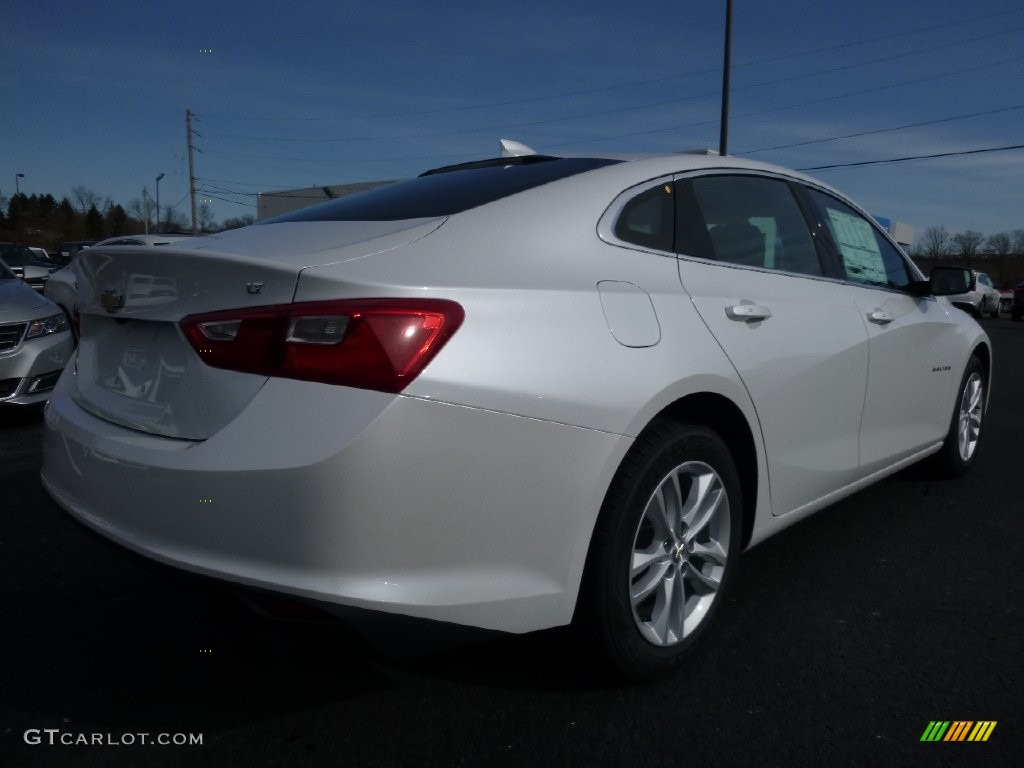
(304, 93)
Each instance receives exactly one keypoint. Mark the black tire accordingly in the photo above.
(619, 615)
(956, 456)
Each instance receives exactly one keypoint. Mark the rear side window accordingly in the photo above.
(444, 194)
(746, 220)
(648, 219)
(866, 255)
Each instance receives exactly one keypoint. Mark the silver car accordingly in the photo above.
(514, 393)
(35, 342)
(982, 300)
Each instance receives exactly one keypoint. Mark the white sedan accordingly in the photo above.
(513, 394)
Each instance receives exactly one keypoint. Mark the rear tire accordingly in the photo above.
(664, 550)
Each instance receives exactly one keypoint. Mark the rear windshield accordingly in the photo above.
(442, 194)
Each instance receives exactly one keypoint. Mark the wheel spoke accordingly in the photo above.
(975, 395)
(677, 612)
(669, 614)
(645, 558)
(658, 515)
(654, 578)
(703, 503)
(712, 551)
(704, 583)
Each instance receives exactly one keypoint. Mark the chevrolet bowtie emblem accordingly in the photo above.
(111, 300)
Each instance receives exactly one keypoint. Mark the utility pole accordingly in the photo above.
(191, 168)
(158, 202)
(145, 206)
(723, 136)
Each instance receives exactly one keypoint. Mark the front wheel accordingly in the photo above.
(664, 549)
(964, 435)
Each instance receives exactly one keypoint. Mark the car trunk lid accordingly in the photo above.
(136, 368)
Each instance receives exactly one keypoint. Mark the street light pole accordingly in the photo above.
(17, 189)
(158, 202)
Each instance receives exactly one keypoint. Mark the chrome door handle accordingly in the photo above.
(747, 312)
(880, 317)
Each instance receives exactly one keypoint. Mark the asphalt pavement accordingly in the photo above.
(846, 636)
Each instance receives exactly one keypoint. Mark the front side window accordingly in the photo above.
(866, 255)
(746, 220)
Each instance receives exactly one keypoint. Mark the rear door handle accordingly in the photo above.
(880, 317)
(747, 312)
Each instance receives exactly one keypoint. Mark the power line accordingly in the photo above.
(914, 157)
(225, 200)
(631, 84)
(822, 100)
(619, 110)
(884, 130)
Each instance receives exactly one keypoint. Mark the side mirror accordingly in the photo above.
(949, 281)
(34, 272)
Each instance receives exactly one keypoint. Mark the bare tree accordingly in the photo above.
(239, 221)
(999, 244)
(967, 244)
(173, 220)
(205, 219)
(935, 242)
(1017, 236)
(85, 198)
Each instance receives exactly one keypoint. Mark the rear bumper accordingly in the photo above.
(391, 503)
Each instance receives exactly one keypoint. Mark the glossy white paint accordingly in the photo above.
(630, 313)
(805, 367)
(471, 497)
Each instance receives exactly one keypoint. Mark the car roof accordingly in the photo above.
(455, 189)
(156, 239)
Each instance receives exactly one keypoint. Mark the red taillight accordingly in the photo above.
(380, 344)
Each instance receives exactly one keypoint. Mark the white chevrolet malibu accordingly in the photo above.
(514, 393)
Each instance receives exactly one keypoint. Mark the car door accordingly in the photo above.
(794, 334)
(911, 340)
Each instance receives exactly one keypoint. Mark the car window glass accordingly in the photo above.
(16, 255)
(444, 193)
(647, 219)
(867, 256)
(746, 220)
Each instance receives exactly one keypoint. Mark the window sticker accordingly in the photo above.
(861, 254)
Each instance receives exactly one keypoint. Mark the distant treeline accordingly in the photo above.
(45, 221)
